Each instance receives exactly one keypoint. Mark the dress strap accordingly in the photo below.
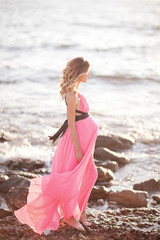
(78, 111)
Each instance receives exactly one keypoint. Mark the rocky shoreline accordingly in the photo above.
(130, 214)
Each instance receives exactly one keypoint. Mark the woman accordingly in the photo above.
(64, 193)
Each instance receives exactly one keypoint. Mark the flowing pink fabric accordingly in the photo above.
(64, 192)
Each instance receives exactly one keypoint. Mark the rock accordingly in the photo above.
(24, 164)
(106, 224)
(2, 138)
(16, 197)
(12, 229)
(42, 171)
(149, 186)
(4, 213)
(3, 178)
(102, 153)
(154, 203)
(80, 236)
(104, 174)
(98, 192)
(112, 165)
(100, 202)
(114, 142)
(126, 211)
(112, 203)
(3, 169)
(129, 198)
(21, 173)
(14, 181)
(156, 198)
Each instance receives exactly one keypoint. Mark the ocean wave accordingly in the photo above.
(124, 78)
(67, 45)
(16, 48)
(8, 81)
(44, 45)
(154, 141)
(97, 25)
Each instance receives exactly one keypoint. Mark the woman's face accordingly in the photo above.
(84, 77)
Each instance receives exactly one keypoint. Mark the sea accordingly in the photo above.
(120, 39)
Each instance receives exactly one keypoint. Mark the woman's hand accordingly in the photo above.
(79, 155)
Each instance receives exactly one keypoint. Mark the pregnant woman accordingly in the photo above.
(64, 193)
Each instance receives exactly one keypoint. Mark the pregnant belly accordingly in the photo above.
(87, 129)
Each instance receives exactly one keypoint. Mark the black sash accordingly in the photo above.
(64, 127)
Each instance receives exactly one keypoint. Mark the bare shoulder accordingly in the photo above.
(70, 97)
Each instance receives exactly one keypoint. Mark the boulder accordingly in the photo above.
(114, 143)
(16, 197)
(14, 181)
(112, 165)
(22, 173)
(151, 185)
(102, 153)
(24, 164)
(104, 174)
(154, 203)
(98, 192)
(4, 213)
(156, 198)
(129, 198)
(3, 178)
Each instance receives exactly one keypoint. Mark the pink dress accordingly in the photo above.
(64, 192)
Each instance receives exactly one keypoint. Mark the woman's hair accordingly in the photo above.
(70, 75)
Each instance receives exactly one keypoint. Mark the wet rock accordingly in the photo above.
(105, 184)
(4, 213)
(149, 186)
(112, 205)
(106, 224)
(21, 173)
(2, 138)
(156, 198)
(126, 211)
(98, 192)
(80, 236)
(104, 174)
(14, 181)
(3, 169)
(100, 202)
(114, 143)
(12, 229)
(112, 165)
(102, 153)
(129, 198)
(3, 178)
(24, 164)
(154, 203)
(42, 171)
(16, 197)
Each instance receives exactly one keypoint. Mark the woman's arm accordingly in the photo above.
(71, 106)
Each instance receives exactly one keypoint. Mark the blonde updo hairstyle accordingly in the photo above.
(70, 75)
